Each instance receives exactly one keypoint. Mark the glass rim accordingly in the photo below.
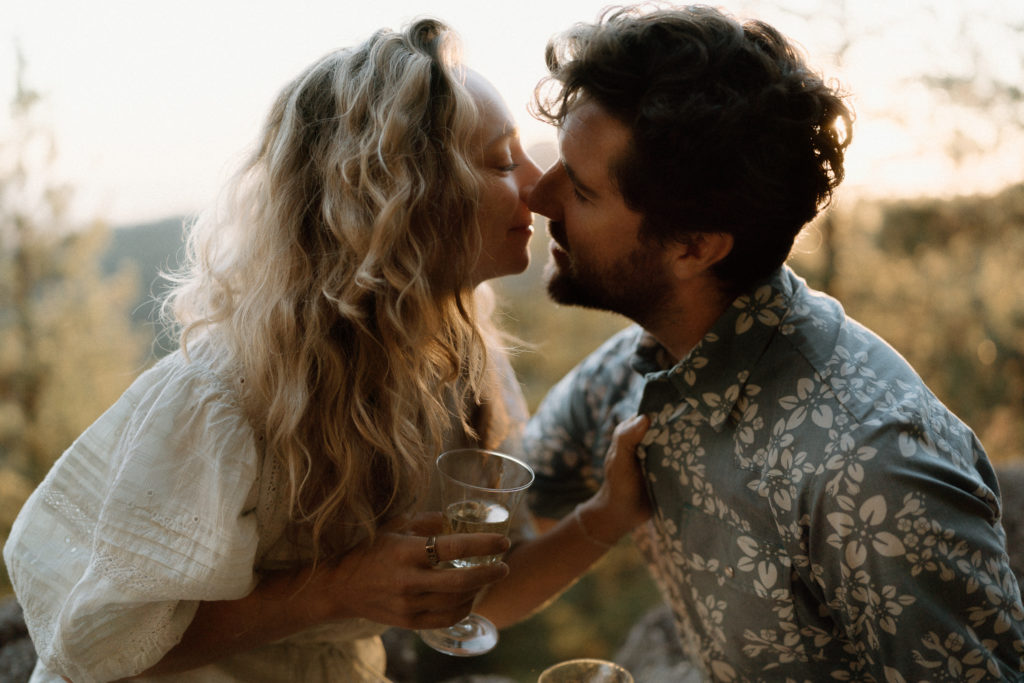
(503, 456)
(617, 668)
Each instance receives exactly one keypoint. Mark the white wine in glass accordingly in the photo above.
(480, 490)
(474, 517)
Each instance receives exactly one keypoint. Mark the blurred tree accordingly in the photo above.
(983, 85)
(940, 279)
(954, 267)
(67, 346)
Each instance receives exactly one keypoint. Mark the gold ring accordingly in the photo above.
(431, 548)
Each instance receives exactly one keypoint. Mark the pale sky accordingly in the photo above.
(151, 103)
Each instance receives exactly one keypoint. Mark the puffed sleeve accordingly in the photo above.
(145, 515)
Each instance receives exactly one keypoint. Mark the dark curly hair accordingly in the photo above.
(731, 130)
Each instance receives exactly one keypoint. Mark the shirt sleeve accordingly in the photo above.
(145, 515)
(914, 567)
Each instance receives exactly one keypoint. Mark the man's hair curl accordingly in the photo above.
(731, 129)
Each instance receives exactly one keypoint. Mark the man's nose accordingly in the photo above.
(543, 197)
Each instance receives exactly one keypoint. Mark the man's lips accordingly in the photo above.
(559, 254)
(556, 231)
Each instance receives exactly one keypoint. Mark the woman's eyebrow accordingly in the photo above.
(508, 131)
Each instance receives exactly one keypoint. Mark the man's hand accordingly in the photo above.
(622, 503)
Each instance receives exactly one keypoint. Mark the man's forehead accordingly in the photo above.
(591, 141)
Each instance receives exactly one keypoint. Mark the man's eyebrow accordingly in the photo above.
(581, 186)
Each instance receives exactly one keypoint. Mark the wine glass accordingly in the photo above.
(480, 490)
(585, 671)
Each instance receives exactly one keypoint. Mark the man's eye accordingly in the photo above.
(579, 195)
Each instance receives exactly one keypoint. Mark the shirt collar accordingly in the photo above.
(713, 377)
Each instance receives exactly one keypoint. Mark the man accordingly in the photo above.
(818, 513)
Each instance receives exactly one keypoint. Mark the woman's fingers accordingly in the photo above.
(419, 524)
(392, 580)
(445, 615)
(466, 546)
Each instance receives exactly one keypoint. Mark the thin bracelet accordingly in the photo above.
(586, 534)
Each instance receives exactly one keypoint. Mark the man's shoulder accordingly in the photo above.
(617, 350)
(605, 376)
(861, 374)
(835, 344)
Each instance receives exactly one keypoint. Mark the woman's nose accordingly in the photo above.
(530, 173)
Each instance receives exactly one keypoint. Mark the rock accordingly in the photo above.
(17, 656)
(400, 645)
(651, 652)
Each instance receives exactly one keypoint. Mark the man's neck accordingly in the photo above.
(686, 317)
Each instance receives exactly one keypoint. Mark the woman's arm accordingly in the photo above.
(389, 582)
(542, 568)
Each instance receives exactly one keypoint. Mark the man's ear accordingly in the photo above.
(702, 251)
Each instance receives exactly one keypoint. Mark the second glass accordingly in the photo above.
(585, 671)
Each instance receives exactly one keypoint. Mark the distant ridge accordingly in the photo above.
(152, 248)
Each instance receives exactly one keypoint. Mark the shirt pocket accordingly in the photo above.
(725, 559)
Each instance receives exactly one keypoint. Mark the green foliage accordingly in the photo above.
(941, 281)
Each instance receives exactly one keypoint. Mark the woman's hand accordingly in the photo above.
(622, 503)
(392, 581)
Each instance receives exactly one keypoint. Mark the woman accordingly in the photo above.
(240, 513)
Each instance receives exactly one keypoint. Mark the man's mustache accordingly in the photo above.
(556, 230)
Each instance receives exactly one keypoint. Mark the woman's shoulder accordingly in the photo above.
(179, 412)
(180, 376)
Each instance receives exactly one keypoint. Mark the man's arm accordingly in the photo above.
(915, 568)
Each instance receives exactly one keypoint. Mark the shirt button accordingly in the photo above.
(730, 572)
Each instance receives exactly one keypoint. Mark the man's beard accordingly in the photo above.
(634, 285)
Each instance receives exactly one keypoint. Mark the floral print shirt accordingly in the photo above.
(820, 515)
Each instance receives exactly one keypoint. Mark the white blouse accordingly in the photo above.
(165, 501)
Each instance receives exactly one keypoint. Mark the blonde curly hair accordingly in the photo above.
(335, 280)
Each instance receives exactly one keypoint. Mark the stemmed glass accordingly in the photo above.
(480, 490)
